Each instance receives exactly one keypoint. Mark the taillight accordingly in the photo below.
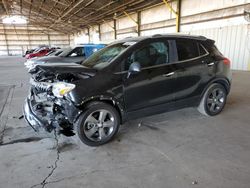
(226, 61)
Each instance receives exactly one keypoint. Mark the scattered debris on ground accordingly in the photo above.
(21, 117)
(194, 182)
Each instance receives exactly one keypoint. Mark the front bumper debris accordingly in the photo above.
(49, 113)
(33, 120)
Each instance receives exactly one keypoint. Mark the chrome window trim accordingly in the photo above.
(177, 62)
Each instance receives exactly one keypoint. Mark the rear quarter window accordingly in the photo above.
(187, 49)
(215, 51)
(202, 50)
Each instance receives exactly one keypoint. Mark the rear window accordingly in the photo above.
(187, 49)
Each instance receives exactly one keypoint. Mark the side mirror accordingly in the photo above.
(134, 68)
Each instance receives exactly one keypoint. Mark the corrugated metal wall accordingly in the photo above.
(233, 42)
(15, 40)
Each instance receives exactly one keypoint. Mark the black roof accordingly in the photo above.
(137, 39)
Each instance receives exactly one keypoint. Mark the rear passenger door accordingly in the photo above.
(191, 70)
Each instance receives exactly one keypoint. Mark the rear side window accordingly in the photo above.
(187, 49)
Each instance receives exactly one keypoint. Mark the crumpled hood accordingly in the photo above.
(49, 59)
(66, 68)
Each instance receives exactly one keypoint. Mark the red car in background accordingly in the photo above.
(38, 53)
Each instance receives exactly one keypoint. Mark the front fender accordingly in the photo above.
(118, 104)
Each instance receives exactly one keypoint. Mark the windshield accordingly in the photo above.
(103, 57)
(36, 50)
(65, 52)
(57, 53)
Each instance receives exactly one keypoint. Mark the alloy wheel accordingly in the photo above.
(99, 125)
(216, 100)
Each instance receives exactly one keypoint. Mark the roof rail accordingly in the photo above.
(157, 35)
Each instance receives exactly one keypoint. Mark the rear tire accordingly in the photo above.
(98, 124)
(213, 101)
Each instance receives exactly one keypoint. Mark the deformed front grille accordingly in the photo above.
(41, 86)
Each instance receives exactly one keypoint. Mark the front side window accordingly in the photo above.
(65, 52)
(186, 49)
(77, 52)
(154, 53)
(43, 51)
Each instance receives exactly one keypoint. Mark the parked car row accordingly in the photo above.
(39, 52)
(67, 55)
(29, 51)
(130, 78)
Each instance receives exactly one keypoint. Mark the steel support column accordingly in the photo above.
(49, 39)
(115, 30)
(88, 34)
(137, 22)
(99, 32)
(6, 40)
(178, 16)
(113, 27)
(177, 12)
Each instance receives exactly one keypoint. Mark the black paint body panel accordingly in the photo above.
(151, 91)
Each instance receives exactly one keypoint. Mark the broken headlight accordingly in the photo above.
(61, 88)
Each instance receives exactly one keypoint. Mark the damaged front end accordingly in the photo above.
(43, 110)
(46, 106)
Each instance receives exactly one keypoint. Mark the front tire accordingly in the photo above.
(98, 124)
(213, 101)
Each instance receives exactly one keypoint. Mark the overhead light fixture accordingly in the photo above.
(14, 20)
(115, 16)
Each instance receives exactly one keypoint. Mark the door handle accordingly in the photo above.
(168, 74)
(210, 64)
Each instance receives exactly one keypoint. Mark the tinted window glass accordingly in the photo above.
(215, 51)
(202, 50)
(154, 53)
(65, 52)
(43, 51)
(77, 52)
(187, 49)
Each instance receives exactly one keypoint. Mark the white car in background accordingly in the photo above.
(69, 55)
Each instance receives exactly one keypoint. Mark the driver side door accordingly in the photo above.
(153, 85)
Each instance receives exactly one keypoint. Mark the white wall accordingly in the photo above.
(190, 7)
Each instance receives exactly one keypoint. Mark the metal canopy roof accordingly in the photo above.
(71, 16)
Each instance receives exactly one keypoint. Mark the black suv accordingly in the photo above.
(128, 79)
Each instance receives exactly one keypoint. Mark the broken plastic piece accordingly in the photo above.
(21, 117)
(195, 182)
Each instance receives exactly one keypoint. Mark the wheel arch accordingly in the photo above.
(220, 80)
(106, 99)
